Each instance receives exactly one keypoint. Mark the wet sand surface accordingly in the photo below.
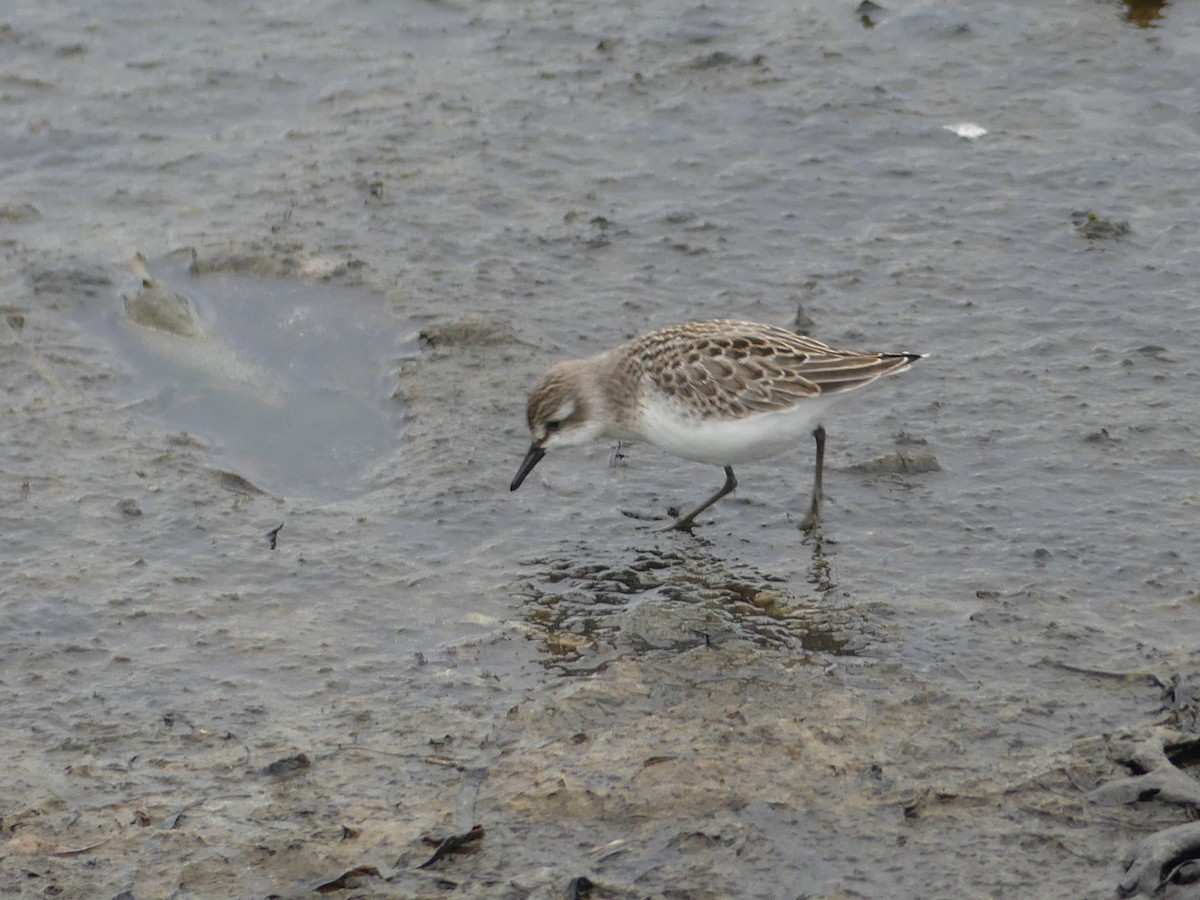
(299, 264)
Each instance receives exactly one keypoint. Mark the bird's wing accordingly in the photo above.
(741, 369)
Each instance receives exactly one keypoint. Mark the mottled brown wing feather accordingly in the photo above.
(852, 370)
(746, 368)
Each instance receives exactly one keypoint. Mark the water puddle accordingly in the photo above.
(289, 382)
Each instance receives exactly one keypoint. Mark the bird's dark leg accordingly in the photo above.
(814, 511)
(685, 524)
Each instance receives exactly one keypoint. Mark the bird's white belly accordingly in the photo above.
(723, 442)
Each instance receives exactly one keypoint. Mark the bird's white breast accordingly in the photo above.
(723, 442)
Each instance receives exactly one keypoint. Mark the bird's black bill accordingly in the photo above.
(532, 458)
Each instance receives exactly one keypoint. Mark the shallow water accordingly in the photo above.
(433, 202)
(289, 382)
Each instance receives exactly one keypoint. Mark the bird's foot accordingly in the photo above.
(809, 525)
(680, 525)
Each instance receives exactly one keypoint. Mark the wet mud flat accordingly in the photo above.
(663, 719)
(960, 694)
(724, 771)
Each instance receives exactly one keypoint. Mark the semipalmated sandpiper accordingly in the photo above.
(718, 392)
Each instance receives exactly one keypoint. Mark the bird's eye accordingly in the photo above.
(553, 425)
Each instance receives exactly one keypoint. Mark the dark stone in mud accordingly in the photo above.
(899, 464)
(715, 60)
(1094, 227)
(231, 481)
(466, 333)
(288, 767)
(868, 13)
(1100, 437)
